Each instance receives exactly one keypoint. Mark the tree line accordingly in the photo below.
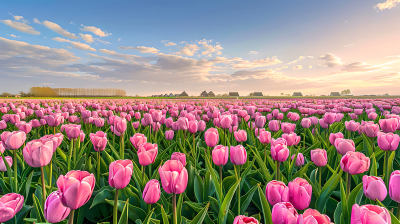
(46, 91)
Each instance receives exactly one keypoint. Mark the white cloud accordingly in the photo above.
(188, 49)
(35, 20)
(331, 60)
(12, 35)
(387, 5)
(208, 48)
(119, 39)
(253, 52)
(102, 41)
(19, 18)
(95, 30)
(170, 44)
(77, 45)
(142, 49)
(21, 27)
(297, 67)
(87, 37)
(58, 29)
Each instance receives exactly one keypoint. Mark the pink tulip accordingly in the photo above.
(279, 153)
(201, 126)
(305, 123)
(23, 126)
(220, 155)
(372, 116)
(3, 166)
(54, 210)
(169, 135)
(260, 121)
(183, 123)
(173, 176)
(38, 153)
(120, 172)
(388, 125)
(344, 145)
(211, 137)
(151, 192)
(369, 214)
(276, 192)
(13, 140)
(354, 163)
(319, 157)
(54, 120)
(120, 125)
(374, 188)
(3, 125)
(311, 216)
(329, 118)
(394, 186)
(225, 121)
(371, 130)
(10, 205)
(147, 153)
(388, 142)
(71, 130)
(274, 125)
(288, 127)
(299, 159)
(300, 193)
(265, 137)
(238, 155)
(323, 124)
(57, 139)
(76, 188)
(138, 139)
(241, 219)
(351, 125)
(180, 157)
(278, 141)
(240, 135)
(291, 139)
(334, 136)
(193, 126)
(284, 213)
(99, 141)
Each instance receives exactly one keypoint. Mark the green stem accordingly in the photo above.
(304, 139)
(386, 168)
(348, 184)
(121, 147)
(398, 211)
(148, 208)
(265, 154)
(115, 209)
(143, 169)
(50, 173)
(15, 170)
(174, 209)
(278, 164)
(238, 193)
(43, 187)
(98, 167)
(74, 148)
(220, 175)
(71, 217)
(8, 171)
(320, 179)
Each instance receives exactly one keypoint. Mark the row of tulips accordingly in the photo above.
(200, 161)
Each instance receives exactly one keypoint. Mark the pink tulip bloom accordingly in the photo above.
(371, 130)
(274, 125)
(23, 126)
(291, 139)
(344, 145)
(3, 166)
(288, 127)
(284, 213)
(225, 121)
(181, 157)
(147, 153)
(38, 153)
(394, 186)
(138, 139)
(279, 153)
(99, 140)
(334, 136)
(54, 210)
(369, 214)
(388, 125)
(193, 126)
(120, 173)
(13, 140)
(329, 118)
(300, 193)
(173, 176)
(354, 163)
(241, 219)
(3, 125)
(306, 123)
(260, 121)
(240, 135)
(311, 216)
(278, 141)
(220, 155)
(211, 137)
(201, 126)
(319, 157)
(374, 188)
(71, 130)
(76, 188)
(265, 137)
(323, 124)
(151, 192)
(388, 142)
(10, 205)
(169, 135)
(238, 155)
(299, 159)
(276, 192)
(351, 125)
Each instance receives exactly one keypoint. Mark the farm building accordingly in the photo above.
(233, 94)
(165, 95)
(297, 94)
(171, 95)
(258, 94)
(334, 94)
(204, 94)
(184, 94)
(211, 94)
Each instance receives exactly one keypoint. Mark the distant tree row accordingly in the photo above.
(46, 91)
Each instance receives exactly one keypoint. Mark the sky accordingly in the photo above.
(157, 46)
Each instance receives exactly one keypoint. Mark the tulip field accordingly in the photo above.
(212, 161)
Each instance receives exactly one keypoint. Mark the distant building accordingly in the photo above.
(17, 96)
(334, 94)
(165, 95)
(184, 94)
(258, 94)
(171, 95)
(211, 94)
(176, 95)
(297, 94)
(204, 94)
(233, 94)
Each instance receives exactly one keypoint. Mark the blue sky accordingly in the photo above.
(152, 47)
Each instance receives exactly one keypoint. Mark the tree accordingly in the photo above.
(5, 94)
(282, 94)
(345, 92)
(251, 94)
